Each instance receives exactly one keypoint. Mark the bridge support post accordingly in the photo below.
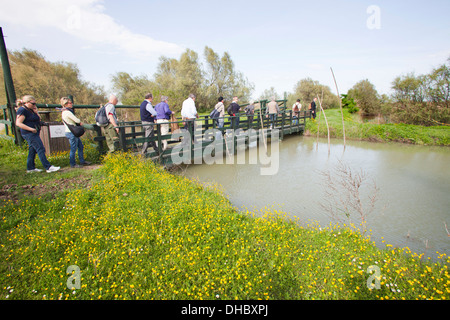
(122, 139)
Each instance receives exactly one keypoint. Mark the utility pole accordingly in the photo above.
(9, 89)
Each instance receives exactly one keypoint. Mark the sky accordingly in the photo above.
(273, 43)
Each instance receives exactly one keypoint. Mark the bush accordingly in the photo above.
(349, 104)
(420, 113)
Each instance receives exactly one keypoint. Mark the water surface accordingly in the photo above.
(412, 201)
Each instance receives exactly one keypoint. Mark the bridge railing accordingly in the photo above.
(132, 133)
(203, 132)
(6, 119)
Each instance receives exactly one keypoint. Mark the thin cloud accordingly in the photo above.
(86, 20)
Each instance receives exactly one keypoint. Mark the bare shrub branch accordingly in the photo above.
(343, 197)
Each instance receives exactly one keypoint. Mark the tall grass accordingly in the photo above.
(357, 129)
(139, 232)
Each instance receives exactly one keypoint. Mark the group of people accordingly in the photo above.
(233, 110)
(160, 114)
(297, 107)
(150, 115)
(29, 122)
(272, 111)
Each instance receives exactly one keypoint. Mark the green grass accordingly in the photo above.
(139, 232)
(14, 163)
(357, 129)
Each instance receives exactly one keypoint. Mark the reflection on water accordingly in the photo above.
(413, 181)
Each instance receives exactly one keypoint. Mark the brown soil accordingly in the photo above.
(14, 192)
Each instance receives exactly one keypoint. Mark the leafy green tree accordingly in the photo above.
(438, 86)
(269, 93)
(131, 90)
(177, 78)
(218, 73)
(366, 97)
(49, 81)
(307, 89)
(409, 88)
(433, 87)
(189, 76)
(422, 99)
(221, 79)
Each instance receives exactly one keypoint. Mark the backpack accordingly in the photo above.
(230, 112)
(214, 114)
(101, 118)
(249, 111)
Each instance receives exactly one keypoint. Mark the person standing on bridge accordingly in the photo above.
(233, 110)
(189, 114)
(272, 110)
(163, 117)
(111, 131)
(148, 115)
(250, 112)
(296, 111)
(221, 109)
(312, 107)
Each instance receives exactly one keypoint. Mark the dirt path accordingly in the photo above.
(14, 192)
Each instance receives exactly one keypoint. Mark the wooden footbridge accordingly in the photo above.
(204, 134)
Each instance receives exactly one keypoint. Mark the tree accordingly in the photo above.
(269, 93)
(221, 78)
(422, 99)
(177, 78)
(366, 97)
(433, 87)
(409, 88)
(307, 89)
(438, 85)
(49, 81)
(189, 75)
(131, 90)
(218, 75)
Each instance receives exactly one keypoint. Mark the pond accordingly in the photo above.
(411, 206)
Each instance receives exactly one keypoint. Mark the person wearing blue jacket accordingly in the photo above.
(163, 113)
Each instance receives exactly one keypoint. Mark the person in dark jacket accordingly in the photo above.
(250, 112)
(148, 115)
(234, 109)
(312, 107)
